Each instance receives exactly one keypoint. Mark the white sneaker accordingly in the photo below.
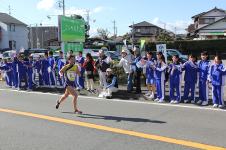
(215, 106)
(172, 101)
(101, 96)
(204, 103)
(176, 102)
(151, 96)
(186, 101)
(193, 101)
(199, 102)
(156, 100)
(221, 106)
(161, 101)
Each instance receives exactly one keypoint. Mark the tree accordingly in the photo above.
(164, 37)
(103, 33)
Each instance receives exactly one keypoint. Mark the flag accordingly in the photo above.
(142, 42)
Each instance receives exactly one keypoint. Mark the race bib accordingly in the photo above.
(71, 75)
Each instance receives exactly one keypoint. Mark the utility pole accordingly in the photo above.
(133, 35)
(88, 19)
(63, 8)
(62, 5)
(114, 27)
(175, 33)
(10, 10)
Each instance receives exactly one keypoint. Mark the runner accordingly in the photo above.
(70, 72)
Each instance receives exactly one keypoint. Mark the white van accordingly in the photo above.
(9, 54)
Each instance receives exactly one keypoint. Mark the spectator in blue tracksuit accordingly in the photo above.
(80, 79)
(15, 72)
(150, 75)
(160, 70)
(51, 70)
(38, 67)
(216, 77)
(44, 69)
(204, 66)
(190, 77)
(175, 71)
(23, 72)
(137, 69)
(29, 66)
(60, 64)
(7, 68)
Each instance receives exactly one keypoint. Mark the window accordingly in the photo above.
(12, 45)
(12, 27)
(206, 20)
(209, 20)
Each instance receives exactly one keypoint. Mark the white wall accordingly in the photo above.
(4, 43)
(20, 36)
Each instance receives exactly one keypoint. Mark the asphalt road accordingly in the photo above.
(29, 121)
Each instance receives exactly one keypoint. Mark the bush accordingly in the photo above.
(213, 47)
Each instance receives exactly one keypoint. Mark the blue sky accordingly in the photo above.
(174, 13)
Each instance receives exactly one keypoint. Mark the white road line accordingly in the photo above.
(124, 101)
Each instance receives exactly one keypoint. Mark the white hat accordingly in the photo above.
(109, 70)
(124, 50)
(101, 51)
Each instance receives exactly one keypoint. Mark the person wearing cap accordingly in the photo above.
(137, 69)
(112, 84)
(125, 63)
(101, 65)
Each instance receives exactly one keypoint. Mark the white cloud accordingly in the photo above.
(180, 25)
(98, 9)
(79, 11)
(45, 4)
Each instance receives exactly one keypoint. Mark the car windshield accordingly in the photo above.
(173, 52)
(5, 54)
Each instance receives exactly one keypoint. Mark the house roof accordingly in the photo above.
(143, 24)
(5, 18)
(203, 13)
(211, 24)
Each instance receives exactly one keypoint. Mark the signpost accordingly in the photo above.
(162, 48)
(71, 33)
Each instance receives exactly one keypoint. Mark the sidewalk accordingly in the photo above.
(122, 94)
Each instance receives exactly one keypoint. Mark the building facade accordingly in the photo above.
(13, 33)
(209, 25)
(42, 37)
(147, 31)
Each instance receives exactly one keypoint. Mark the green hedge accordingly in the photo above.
(195, 47)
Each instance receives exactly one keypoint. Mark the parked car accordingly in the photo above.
(33, 51)
(9, 54)
(172, 52)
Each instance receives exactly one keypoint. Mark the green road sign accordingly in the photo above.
(75, 47)
(72, 30)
